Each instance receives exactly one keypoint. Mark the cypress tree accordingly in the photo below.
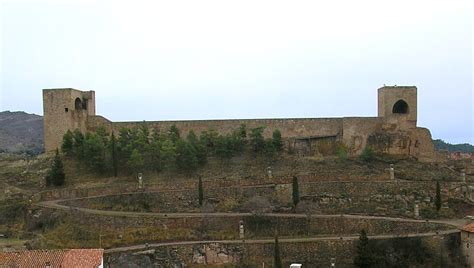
(296, 191)
(438, 200)
(277, 257)
(200, 191)
(113, 151)
(364, 257)
(276, 138)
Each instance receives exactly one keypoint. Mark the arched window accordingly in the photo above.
(78, 104)
(400, 107)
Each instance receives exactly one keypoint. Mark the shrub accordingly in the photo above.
(341, 152)
(367, 154)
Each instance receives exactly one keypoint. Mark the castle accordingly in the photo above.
(394, 131)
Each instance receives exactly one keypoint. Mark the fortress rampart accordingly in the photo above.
(393, 131)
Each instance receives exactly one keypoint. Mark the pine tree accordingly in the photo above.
(168, 155)
(186, 156)
(200, 191)
(364, 257)
(136, 161)
(296, 191)
(277, 257)
(78, 138)
(256, 139)
(269, 148)
(173, 134)
(68, 143)
(94, 152)
(56, 174)
(438, 200)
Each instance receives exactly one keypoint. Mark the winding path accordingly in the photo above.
(56, 204)
(281, 240)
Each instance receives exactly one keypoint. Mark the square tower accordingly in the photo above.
(65, 109)
(398, 102)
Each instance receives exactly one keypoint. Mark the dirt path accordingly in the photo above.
(55, 205)
(281, 240)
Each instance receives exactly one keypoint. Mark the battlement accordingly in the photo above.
(393, 131)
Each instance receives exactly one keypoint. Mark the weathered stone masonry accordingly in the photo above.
(393, 131)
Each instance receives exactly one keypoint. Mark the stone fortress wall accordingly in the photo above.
(393, 131)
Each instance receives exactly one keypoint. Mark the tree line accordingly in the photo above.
(141, 149)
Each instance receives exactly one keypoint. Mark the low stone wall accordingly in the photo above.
(377, 198)
(68, 193)
(435, 251)
(258, 226)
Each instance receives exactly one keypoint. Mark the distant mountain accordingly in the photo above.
(442, 145)
(21, 132)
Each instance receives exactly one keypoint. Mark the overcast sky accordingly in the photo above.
(153, 60)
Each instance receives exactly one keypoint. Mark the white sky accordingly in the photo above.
(159, 60)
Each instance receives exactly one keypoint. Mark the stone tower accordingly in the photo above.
(65, 109)
(398, 103)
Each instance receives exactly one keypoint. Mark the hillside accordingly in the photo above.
(21, 132)
(442, 145)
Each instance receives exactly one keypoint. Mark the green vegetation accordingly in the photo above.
(365, 255)
(56, 176)
(141, 149)
(200, 192)
(341, 152)
(442, 145)
(438, 200)
(68, 143)
(12, 210)
(256, 139)
(277, 258)
(296, 191)
(367, 154)
(276, 140)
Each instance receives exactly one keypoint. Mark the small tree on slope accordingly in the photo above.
(56, 174)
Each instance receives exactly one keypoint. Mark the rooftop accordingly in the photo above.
(74, 258)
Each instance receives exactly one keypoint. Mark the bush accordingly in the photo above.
(367, 154)
(341, 152)
(257, 205)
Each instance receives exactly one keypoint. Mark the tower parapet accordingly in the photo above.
(65, 109)
(399, 103)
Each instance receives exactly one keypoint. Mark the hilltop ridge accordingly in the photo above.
(21, 132)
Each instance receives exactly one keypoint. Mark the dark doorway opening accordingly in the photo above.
(78, 104)
(400, 107)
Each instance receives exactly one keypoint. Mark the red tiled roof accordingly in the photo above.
(468, 228)
(74, 258)
(79, 258)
